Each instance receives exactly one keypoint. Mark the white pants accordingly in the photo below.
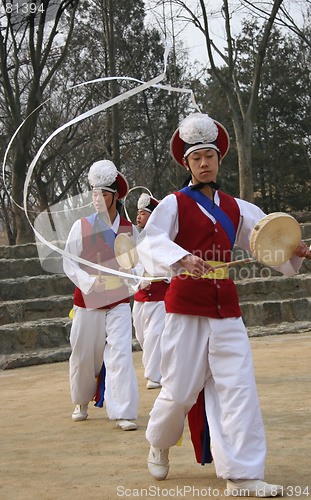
(97, 335)
(149, 320)
(215, 354)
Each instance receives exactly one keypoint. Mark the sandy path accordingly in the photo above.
(45, 455)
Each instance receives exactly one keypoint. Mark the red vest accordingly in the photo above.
(155, 293)
(109, 298)
(200, 236)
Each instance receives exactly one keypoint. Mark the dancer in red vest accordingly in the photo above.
(102, 327)
(205, 343)
(149, 308)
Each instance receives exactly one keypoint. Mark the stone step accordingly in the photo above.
(17, 311)
(30, 250)
(11, 268)
(268, 312)
(257, 300)
(33, 335)
(31, 287)
(61, 353)
(43, 322)
(306, 230)
(16, 268)
(42, 356)
(256, 269)
(274, 288)
(252, 289)
(39, 357)
(305, 267)
(26, 251)
(300, 327)
(30, 332)
(258, 306)
(51, 261)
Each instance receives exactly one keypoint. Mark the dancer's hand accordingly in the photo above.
(195, 265)
(99, 285)
(303, 250)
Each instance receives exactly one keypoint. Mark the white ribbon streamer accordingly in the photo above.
(125, 198)
(87, 114)
(97, 109)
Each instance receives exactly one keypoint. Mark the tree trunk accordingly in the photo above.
(113, 141)
(243, 112)
(244, 148)
(24, 233)
(24, 89)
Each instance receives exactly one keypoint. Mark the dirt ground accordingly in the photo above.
(45, 455)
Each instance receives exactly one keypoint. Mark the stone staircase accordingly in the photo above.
(34, 308)
(34, 304)
(270, 302)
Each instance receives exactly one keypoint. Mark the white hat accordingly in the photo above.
(104, 175)
(147, 202)
(198, 131)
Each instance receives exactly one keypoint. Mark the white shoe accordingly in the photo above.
(126, 425)
(253, 488)
(158, 463)
(153, 385)
(80, 413)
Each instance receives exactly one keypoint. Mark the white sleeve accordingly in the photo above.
(250, 215)
(138, 270)
(156, 248)
(74, 245)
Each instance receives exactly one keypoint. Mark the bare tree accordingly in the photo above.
(33, 45)
(242, 105)
(291, 14)
(108, 8)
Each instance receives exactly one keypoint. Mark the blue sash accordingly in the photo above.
(215, 211)
(101, 387)
(100, 227)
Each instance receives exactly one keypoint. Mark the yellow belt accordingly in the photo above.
(219, 274)
(111, 282)
(149, 276)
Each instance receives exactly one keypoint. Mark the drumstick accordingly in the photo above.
(99, 272)
(233, 263)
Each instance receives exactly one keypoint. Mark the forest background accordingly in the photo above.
(257, 83)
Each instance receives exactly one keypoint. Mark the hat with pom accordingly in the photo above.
(198, 131)
(104, 175)
(147, 202)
